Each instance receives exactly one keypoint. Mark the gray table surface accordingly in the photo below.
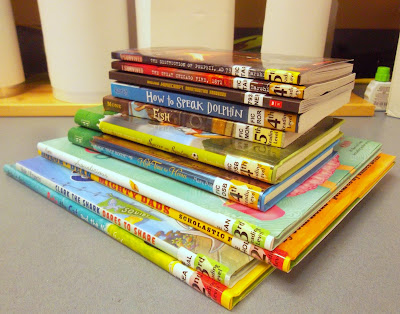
(50, 261)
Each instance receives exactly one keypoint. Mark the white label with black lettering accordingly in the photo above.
(240, 70)
(256, 116)
(242, 83)
(244, 131)
(254, 99)
(221, 187)
(187, 257)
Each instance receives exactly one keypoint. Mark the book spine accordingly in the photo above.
(272, 119)
(283, 76)
(88, 120)
(237, 191)
(251, 133)
(240, 165)
(209, 287)
(277, 258)
(236, 227)
(200, 262)
(250, 85)
(201, 90)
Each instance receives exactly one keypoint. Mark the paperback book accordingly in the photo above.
(230, 95)
(264, 229)
(241, 189)
(271, 67)
(242, 131)
(274, 119)
(240, 83)
(227, 297)
(193, 248)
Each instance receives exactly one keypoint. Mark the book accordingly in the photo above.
(230, 95)
(239, 83)
(271, 67)
(264, 163)
(241, 189)
(273, 119)
(289, 253)
(243, 131)
(227, 297)
(264, 229)
(213, 258)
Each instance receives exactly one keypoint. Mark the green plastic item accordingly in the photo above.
(382, 74)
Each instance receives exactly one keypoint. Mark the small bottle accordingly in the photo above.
(377, 91)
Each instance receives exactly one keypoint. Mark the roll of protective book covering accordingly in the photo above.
(79, 37)
(185, 23)
(296, 27)
(11, 71)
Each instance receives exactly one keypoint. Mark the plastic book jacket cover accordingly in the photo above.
(258, 161)
(271, 67)
(227, 297)
(266, 230)
(241, 189)
(198, 250)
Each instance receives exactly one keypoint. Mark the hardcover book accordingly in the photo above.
(300, 242)
(240, 83)
(231, 95)
(241, 189)
(243, 131)
(193, 248)
(264, 163)
(274, 119)
(270, 67)
(266, 230)
(227, 297)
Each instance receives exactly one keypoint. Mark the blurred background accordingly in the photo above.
(366, 31)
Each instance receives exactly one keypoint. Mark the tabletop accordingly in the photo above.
(50, 261)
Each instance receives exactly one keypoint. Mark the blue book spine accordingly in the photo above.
(205, 106)
(186, 175)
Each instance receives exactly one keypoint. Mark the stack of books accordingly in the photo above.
(217, 166)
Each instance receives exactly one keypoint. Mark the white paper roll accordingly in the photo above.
(11, 71)
(79, 36)
(393, 106)
(185, 23)
(293, 27)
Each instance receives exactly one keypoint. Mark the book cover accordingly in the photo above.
(196, 249)
(227, 297)
(274, 119)
(300, 242)
(243, 131)
(266, 230)
(319, 225)
(270, 67)
(264, 163)
(240, 83)
(227, 94)
(241, 189)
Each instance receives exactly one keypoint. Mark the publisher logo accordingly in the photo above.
(275, 103)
